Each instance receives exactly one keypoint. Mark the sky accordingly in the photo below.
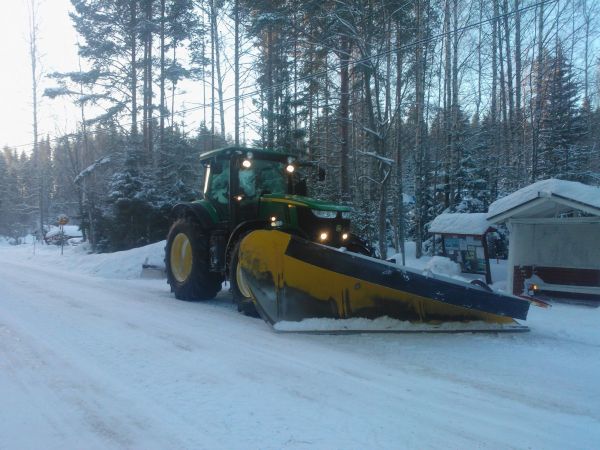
(58, 53)
(57, 48)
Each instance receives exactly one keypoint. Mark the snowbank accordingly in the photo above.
(440, 265)
(121, 265)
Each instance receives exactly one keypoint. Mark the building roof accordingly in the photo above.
(460, 223)
(546, 199)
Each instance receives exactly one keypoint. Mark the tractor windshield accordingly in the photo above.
(263, 177)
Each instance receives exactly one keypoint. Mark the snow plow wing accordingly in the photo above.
(292, 279)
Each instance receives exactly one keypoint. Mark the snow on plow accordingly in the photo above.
(294, 281)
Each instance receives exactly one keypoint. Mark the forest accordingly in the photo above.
(413, 107)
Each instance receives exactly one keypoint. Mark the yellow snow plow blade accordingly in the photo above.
(292, 279)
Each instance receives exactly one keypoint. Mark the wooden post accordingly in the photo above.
(486, 255)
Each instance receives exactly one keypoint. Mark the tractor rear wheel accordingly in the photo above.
(186, 260)
(239, 288)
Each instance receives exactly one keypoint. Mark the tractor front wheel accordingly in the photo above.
(186, 260)
(239, 288)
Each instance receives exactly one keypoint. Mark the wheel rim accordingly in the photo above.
(241, 281)
(181, 257)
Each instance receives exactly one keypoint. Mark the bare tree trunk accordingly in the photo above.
(479, 63)
(84, 195)
(456, 157)
(133, 66)
(538, 87)
(212, 77)
(586, 52)
(447, 107)
(344, 55)
(510, 94)
(503, 94)
(399, 217)
(35, 77)
(148, 91)
(270, 94)
(419, 107)
(218, 66)
(173, 84)
(494, 106)
(236, 70)
(161, 130)
(520, 126)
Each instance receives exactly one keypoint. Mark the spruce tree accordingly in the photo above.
(561, 127)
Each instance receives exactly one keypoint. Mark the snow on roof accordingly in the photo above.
(558, 190)
(460, 223)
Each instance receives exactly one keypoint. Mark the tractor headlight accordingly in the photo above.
(345, 236)
(323, 236)
(324, 214)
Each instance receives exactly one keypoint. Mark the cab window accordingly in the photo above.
(263, 177)
(218, 183)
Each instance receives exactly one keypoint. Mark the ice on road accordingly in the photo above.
(94, 362)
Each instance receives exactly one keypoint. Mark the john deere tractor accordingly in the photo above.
(280, 250)
(246, 190)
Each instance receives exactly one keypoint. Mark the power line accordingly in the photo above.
(317, 75)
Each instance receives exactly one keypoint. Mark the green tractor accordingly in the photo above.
(257, 227)
(246, 190)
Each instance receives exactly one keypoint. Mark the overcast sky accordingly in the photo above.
(57, 53)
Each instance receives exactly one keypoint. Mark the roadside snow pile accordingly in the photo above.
(122, 265)
(440, 265)
(384, 324)
(411, 260)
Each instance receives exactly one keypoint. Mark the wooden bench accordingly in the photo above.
(569, 288)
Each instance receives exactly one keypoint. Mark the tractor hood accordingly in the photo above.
(307, 202)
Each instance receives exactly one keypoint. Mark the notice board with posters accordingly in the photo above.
(468, 251)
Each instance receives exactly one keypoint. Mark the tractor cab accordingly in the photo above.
(236, 179)
(245, 190)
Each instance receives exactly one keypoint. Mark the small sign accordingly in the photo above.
(63, 220)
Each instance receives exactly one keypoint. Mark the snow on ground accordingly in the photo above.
(91, 361)
(124, 265)
(443, 266)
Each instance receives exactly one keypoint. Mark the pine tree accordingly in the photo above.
(561, 128)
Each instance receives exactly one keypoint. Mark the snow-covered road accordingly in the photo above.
(90, 362)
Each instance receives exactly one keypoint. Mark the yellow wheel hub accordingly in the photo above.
(241, 281)
(181, 257)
